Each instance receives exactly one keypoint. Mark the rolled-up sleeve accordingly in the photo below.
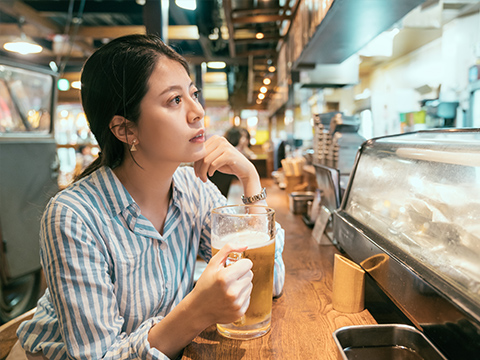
(83, 295)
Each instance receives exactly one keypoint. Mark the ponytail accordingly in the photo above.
(95, 165)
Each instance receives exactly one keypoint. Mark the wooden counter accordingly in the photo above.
(303, 319)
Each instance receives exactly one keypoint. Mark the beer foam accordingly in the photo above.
(252, 239)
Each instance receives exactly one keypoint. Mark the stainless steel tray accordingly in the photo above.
(384, 342)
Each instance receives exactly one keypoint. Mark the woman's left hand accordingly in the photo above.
(222, 156)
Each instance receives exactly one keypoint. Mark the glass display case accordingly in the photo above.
(25, 101)
(28, 178)
(410, 216)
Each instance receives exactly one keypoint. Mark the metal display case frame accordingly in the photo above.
(447, 314)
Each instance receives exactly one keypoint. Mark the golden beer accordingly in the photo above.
(261, 251)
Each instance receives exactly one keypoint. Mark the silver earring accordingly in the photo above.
(133, 148)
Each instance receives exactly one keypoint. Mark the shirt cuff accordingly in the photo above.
(144, 350)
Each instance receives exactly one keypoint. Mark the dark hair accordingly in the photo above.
(114, 82)
(233, 135)
(247, 135)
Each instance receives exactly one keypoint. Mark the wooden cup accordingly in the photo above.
(377, 267)
(348, 285)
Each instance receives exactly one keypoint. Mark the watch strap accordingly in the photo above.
(254, 198)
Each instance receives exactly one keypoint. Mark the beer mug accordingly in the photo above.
(252, 226)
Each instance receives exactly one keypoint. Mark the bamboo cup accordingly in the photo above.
(348, 285)
(377, 267)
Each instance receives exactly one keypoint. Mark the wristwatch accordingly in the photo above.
(254, 198)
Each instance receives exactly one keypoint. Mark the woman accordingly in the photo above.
(240, 138)
(118, 247)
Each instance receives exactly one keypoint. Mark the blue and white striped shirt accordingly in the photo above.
(110, 274)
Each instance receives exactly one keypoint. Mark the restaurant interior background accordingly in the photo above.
(268, 65)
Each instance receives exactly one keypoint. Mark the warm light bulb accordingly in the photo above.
(22, 47)
(216, 64)
(259, 35)
(267, 81)
(271, 68)
(261, 96)
(263, 89)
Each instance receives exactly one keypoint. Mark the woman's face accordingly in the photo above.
(170, 126)
(243, 142)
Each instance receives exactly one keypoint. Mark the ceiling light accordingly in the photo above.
(259, 35)
(216, 64)
(53, 66)
(271, 68)
(186, 4)
(252, 121)
(23, 46)
(263, 89)
(261, 96)
(259, 101)
(63, 85)
(267, 81)
(76, 85)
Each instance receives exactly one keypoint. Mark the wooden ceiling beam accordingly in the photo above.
(175, 32)
(260, 52)
(248, 12)
(195, 60)
(11, 29)
(259, 19)
(106, 32)
(227, 8)
(16, 9)
(255, 40)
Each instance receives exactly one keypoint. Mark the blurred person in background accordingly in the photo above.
(240, 138)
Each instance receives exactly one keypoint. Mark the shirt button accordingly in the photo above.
(163, 246)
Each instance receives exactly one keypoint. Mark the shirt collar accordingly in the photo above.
(119, 200)
(117, 197)
(177, 192)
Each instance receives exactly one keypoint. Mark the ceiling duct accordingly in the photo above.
(349, 25)
(332, 75)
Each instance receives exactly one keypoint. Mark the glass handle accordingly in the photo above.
(231, 259)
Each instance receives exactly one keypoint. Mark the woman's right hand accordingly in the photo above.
(223, 293)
